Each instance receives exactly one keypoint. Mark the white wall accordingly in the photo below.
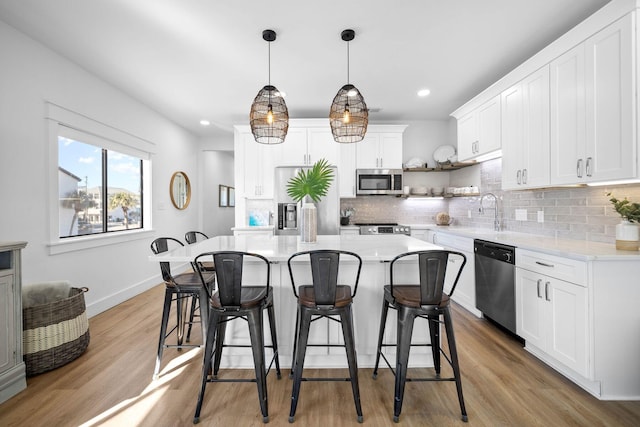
(32, 74)
(217, 169)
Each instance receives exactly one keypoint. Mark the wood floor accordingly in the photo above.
(111, 385)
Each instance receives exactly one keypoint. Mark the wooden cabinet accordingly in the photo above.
(479, 131)
(380, 150)
(551, 313)
(12, 368)
(592, 106)
(525, 133)
(305, 146)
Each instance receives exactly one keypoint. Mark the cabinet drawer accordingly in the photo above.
(561, 268)
(454, 242)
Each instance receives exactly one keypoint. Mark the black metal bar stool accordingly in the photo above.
(427, 300)
(236, 300)
(180, 288)
(324, 299)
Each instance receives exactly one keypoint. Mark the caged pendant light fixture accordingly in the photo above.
(348, 116)
(269, 117)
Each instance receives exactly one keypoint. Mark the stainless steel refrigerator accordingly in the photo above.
(288, 212)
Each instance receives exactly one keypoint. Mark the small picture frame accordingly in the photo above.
(223, 197)
(231, 197)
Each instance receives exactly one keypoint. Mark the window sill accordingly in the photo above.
(88, 242)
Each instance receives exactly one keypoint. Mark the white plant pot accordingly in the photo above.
(627, 236)
(309, 226)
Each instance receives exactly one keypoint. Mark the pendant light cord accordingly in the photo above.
(348, 62)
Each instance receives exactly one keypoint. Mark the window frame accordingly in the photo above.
(65, 122)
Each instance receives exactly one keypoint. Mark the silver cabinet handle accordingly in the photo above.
(381, 164)
(524, 176)
(546, 291)
(544, 264)
(538, 288)
(579, 168)
(589, 161)
(518, 177)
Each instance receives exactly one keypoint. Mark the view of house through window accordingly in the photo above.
(99, 190)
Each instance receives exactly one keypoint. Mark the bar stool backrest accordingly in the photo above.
(192, 237)
(432, 266)
(229, 272)
(161, 245)
(324, 273)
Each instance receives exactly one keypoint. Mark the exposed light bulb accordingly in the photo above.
(346, 117)
(270, 115)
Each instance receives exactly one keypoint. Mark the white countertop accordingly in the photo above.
(577, 249)
(280, 248)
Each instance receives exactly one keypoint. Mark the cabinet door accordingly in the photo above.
(489, 136)
(7, 325)
(293, 151)
(321, 145)
(390, 150)
(258, 168)
(529, 306)
(568, 127)
(610, 147)
(367, 152)
(347, 170)
(467, 136)
(513, 138)
(567, 337)
(535, 148)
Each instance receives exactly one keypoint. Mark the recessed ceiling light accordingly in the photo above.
(424, 92)
(205, 122)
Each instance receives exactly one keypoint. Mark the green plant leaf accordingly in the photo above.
(313, 182)
(628, 210)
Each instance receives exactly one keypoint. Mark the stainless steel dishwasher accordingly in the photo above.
(495, 282)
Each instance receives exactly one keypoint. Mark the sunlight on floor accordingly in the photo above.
(134, 410)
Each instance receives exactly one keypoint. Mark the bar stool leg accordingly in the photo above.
(222, 331)
(274, 338)
(204, 313)
(346, 317)
(181, 315)
(434, 332)
(383, 322)
(194, 300)
(163, 330)
(406, 319)
(206, 363)
(451, 339)
(257, 346)
(303, 336)
(295, 342)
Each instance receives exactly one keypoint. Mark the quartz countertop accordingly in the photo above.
(280, 248)
(578, 249)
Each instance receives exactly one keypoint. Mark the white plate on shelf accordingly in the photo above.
(444, 153)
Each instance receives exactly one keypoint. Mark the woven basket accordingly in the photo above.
(55, 333)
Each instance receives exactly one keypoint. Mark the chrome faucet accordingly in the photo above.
(496, 220)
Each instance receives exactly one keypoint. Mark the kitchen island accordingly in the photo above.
(375, 251)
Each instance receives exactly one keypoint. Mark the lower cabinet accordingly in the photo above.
(552, 315)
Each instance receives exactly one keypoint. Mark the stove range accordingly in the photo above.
(383, 228)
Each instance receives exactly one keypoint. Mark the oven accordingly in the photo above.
(384, 228)
(378, 182)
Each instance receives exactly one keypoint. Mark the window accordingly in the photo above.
(99, 183)
(99, 190)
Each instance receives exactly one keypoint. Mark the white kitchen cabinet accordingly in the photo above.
(305, 146)
(525, 133)
(12, 368)
(347, 171)
(380, 150)
(592, 106)
(258, 163)
(349, 231)
(551, 313)
(479, 131)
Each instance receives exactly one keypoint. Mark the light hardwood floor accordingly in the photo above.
(111, 385)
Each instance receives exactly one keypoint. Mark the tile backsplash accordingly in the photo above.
(579, 213)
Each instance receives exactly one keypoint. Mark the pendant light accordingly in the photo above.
(348, 116)
(269, 118)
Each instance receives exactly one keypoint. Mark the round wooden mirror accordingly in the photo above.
(180, 190)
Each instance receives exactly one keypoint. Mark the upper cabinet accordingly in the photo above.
(257, 170)
(525, 133)
(305, 146)
(381, 148)
(592, 105)
(479, 131)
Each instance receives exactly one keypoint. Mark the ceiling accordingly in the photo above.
(205, 59)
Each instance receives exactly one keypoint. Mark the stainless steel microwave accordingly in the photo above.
(378, 181)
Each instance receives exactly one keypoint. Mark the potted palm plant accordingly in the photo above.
(309, 186)
(627, 232)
